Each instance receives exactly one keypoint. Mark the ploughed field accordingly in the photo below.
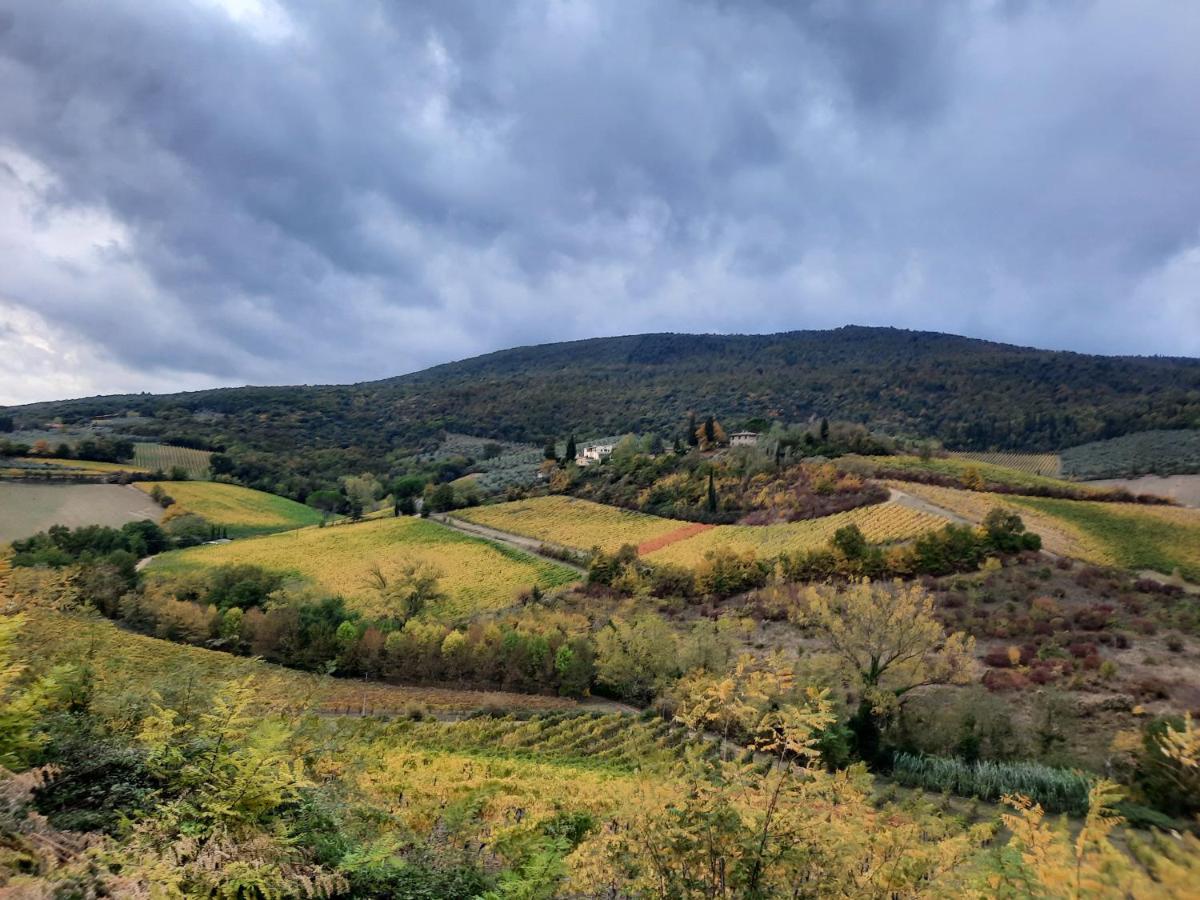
(27, 508)
(582, 525)
(242, 511)
(476, 575)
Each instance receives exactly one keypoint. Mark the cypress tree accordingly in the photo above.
(712, 494)
(710, 432)
(693, 438)
(570, 454)
(824, 430)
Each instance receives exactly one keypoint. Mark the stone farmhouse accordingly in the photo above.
(593, 453)
(743, 439)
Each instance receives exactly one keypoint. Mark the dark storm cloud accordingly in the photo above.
(242, 190)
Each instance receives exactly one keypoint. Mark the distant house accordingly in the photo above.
(743, 439)
(593, 453)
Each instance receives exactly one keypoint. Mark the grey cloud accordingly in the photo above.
(379, 186)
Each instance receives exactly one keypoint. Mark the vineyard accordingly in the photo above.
(242, 511)
(476, 575)
(124, 659)
(882, 523)
(1161, 538)
(960, 467)
(599, 740)
(1045, 464)
(1058, 535)
(579, 524)
(164, 458)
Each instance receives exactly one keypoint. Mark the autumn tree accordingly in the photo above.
(888, 643)
(408, 592)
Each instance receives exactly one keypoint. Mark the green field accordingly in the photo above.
(1134, 536)
(26, 509)
(1046, 464)
(1143, 453)
(164, 458)
(242, 511)
(476, 575)
(958, 467)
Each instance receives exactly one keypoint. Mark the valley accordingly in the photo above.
(545, 649)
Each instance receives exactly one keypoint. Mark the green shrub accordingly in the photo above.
(1057, 790)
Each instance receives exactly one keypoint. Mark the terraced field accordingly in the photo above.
(242, 511)
(164, 457)
(120, 658)
(580, 524)
(882, 523)
(1045, 464)
(476, 575)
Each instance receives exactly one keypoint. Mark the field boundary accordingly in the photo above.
(673, 537)
(517, 541)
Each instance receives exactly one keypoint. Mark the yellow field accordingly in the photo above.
(881, 523)
(1047, 464)
(477, 575)
(241, 510)
(121, 659)
(1058, 536)
(568, 522)
(74, 466)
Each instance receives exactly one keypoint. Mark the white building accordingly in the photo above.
(743, 439)
(593, 453)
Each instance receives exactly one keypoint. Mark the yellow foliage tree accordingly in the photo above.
(888, 644)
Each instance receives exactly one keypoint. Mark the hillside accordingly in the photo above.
(971, 394)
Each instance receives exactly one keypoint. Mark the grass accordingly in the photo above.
(121, 659)
(26, 509)
(881, 523)
(579, 524)
(164, 457)
(1133, 536)
(1057, 790)
(244, 512)
(476, 575)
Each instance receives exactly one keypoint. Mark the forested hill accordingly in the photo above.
(972, 394)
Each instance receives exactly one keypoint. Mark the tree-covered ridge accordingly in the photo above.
(971, 394)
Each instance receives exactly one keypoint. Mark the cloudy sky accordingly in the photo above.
(207, 192)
